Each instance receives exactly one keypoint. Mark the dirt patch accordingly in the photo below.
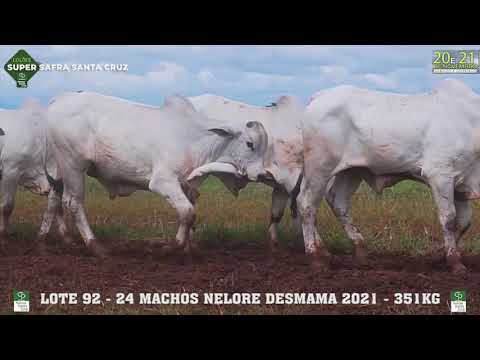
(138, 267)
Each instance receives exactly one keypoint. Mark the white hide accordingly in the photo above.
(388, 133)
(24, 148)
(282, 123)
(129, 146)
(432, 137)
(22, 162)
(283, 159)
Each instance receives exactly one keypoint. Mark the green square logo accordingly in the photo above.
(21, 295)
(458, 295)
(21, 67)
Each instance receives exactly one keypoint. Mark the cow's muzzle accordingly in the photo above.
(266, 177)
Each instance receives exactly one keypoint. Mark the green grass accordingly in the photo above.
(401, 220)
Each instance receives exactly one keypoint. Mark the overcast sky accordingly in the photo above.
(253, 74)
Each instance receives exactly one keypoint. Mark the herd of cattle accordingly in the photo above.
(305, 153)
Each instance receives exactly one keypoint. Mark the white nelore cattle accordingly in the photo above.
(129, 146)
(283, 122)
(283, 159)
(434, 138)
(22, 162)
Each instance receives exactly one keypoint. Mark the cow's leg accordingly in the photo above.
(54, 212)
(63, 228)
(73, 203)
(175, 196)
(8, 189)
(193, 196)
(308, 200)
(339, 197)
(54, 203)
(279, 202)
(464, 218)
(443, 194)
(297, 224)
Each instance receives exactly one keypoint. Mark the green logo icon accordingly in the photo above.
(21, 301)
(21, 295)
(458, 295)
(21, 67)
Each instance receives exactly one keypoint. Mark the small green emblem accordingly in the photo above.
(21, 67)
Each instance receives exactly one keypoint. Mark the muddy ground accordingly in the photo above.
(136, 267)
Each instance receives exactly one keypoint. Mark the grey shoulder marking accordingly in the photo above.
(2, 132)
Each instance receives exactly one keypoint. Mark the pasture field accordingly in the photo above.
(400, 227)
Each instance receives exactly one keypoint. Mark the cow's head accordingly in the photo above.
(245, 149)
(284, 157)
(241, 153)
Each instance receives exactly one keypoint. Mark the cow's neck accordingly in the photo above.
(209, 149)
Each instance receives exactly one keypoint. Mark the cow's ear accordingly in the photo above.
(224, 131)
(2, 132)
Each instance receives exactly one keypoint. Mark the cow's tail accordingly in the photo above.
(57, 185)
(293, 196)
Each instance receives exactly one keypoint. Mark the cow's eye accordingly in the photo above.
(250, 145)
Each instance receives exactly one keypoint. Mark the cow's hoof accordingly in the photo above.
(275, 254)
(188, 258)
(273, 250)
(195, 249)
(361, 255)
(454, 262)
(172, 249)
(3, 249)
(4, 240)
(68, 240)
(319, 263)
(459, 269)
(97, 250)
(40, 249)
(271, 259)
(435, 255)
(198, 254)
